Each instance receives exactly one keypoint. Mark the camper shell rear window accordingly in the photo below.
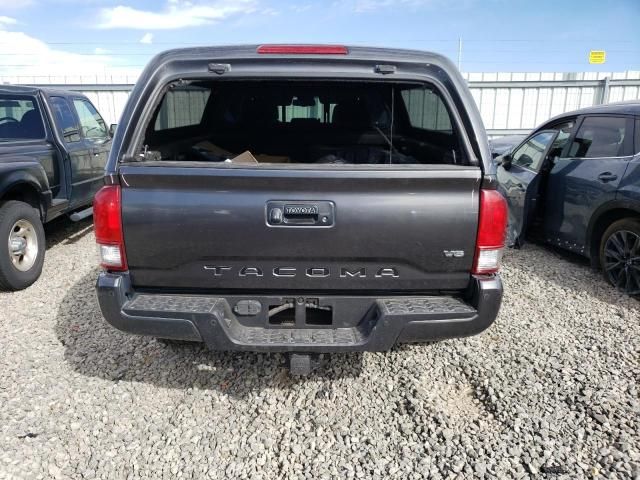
(304, 122)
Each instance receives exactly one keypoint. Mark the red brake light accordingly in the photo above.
(492, 226)
(107, 222)
(302, 49)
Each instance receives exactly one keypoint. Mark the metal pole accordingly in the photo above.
(460, 53)
(604, 98)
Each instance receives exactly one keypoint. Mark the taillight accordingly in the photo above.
(107, 220)
(304, 49)
(492, 226)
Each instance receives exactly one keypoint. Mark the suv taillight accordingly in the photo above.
(492, 226)
(107, 221)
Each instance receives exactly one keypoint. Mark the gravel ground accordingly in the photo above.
(550, 391)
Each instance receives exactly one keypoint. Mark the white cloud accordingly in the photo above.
(299, 8)
(15, 4)
(7, 21)
(175, 14)
(147, 38)
(361, 6)
(100, 51)
(24, 56)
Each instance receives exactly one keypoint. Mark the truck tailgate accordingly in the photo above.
(190, 227)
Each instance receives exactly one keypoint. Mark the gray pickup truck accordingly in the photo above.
(301, 199)
(53, 149)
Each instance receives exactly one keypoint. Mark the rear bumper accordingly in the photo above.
(359, 323)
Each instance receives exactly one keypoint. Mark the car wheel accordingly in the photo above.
(22, 245)
(620, 255)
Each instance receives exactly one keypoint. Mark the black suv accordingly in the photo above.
(575, 183)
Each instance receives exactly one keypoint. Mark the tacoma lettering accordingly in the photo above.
(355, 272)
(311, 272)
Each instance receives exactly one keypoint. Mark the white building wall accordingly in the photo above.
(508, 102)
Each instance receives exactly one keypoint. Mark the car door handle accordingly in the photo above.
(607, 177)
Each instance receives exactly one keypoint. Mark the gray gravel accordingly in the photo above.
(550, 391)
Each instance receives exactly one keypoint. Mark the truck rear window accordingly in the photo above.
(304, 122)
(20, 118)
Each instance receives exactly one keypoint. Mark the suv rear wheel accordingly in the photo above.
(22, 245)
(620, 255)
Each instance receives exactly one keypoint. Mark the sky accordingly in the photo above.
(83, 37)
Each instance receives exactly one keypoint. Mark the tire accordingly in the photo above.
(620, 255)
(22, 245)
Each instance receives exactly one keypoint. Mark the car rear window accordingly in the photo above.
(305, 122)
(20, 118)
(599, 137)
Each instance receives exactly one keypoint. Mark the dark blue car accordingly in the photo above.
(575, 183)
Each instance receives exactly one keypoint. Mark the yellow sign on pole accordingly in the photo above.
(597, 56)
